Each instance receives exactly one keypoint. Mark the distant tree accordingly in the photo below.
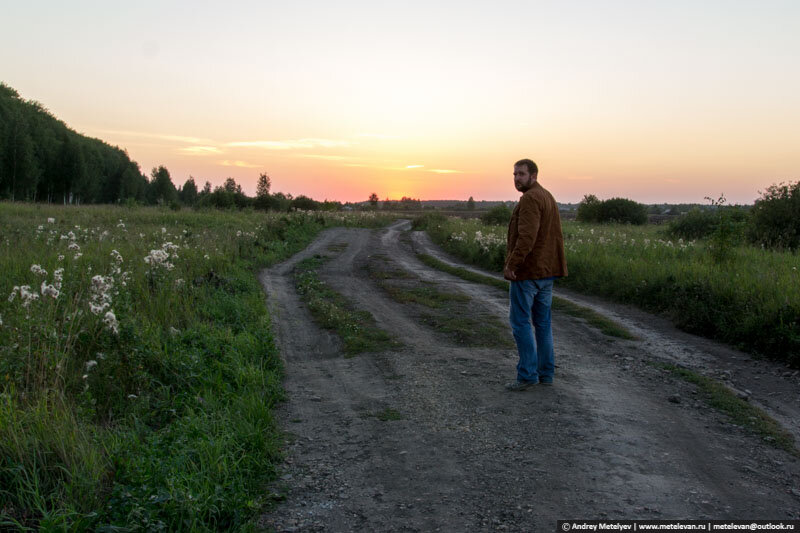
(373, 200)
(231, 186)
(410, 203)
(18, 168)
(263, 185)
(588, 209)
(499, 215)
(188, 193)
(619, 210)
(206, 188)
(162, 190)
(776, 217)
(305, 203)
(471, 203)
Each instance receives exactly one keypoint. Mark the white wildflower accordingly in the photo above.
(121, 224)
(49, 290)
(27, 295)
(110, 321)
(179, 283)
(163, 230)
(51, 220)
(73, 246)
(77, 256)
(97, 309)
(37, 269)
(60, 257)
(206, 257)
(90, 364)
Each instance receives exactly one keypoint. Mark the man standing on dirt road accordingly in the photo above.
(534, 258)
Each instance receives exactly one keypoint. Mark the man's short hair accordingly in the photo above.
(532, 168)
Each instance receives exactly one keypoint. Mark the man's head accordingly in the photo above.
(525, 174)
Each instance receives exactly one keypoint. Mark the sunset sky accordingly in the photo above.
(658, 101)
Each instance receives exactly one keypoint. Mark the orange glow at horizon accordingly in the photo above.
(657, 102)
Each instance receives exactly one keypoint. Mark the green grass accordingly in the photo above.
(605, 325)
(447, 312)
(738, 410)
(750, 301)
(162, 417)
(331, 310)
(388, 414)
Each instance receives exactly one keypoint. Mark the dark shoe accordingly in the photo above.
(546, 383)
(515, 386)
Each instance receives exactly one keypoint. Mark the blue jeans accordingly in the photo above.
(530, 304)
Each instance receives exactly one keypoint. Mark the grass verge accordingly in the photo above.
(605, 325)
(136, 391)
(332, 311)
(739, 410)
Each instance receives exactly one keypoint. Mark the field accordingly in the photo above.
(137, 367)
(751, 301)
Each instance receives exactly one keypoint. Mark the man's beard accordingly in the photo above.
(524, 187)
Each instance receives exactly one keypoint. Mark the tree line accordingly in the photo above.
(43, 160)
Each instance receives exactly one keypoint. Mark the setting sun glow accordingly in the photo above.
(658, 102)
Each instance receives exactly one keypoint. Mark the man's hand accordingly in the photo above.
(509, 274)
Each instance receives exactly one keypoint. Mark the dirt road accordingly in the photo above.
(615, 437)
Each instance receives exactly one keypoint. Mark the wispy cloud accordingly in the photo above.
(162, 136)
(201, 150)
(292, 144)
(415, 166)
(240, 164)
(445, 171)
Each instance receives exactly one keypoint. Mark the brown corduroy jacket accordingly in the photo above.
(535, 245)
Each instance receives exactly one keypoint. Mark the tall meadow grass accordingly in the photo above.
(751, 300)
(137, 368)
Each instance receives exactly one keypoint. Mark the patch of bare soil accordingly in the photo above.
(426, 438)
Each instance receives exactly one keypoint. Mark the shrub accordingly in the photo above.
(703, 223)
(776, 217)
(618, 210)
(696, 224)
(588, 209)
(499, 215)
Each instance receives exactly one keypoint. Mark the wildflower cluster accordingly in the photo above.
(489, 241)
(160, 258)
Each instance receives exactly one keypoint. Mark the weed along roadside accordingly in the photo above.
(137, 385)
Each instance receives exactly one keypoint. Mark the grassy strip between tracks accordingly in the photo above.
(739, 410)
(446, 312)
(332, 311)
(605, 325)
